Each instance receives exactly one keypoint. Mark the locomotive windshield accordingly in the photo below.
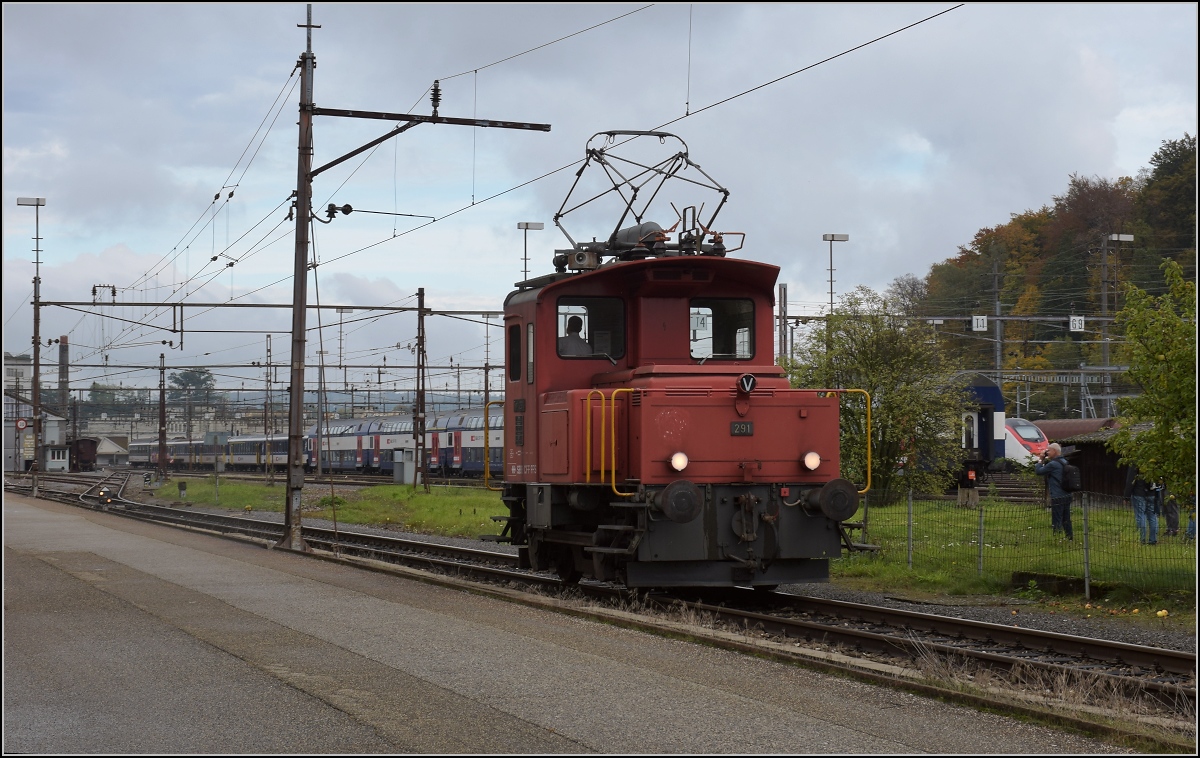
(722, 328)
(591, 327)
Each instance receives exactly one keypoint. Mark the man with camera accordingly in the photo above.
(1051, 466)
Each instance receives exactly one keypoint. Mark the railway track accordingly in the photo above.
(904, 645)
(1168, 676)
(353, 480)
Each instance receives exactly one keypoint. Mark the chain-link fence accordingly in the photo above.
(1006, 539)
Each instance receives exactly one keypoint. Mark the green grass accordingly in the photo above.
(232, 495)
(946, 550)
(947, 557)
(449, 511)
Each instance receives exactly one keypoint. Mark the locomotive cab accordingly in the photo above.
(650, 437)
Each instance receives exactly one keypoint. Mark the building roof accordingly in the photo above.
(1100, 435)
(106, 446)
(1067, 429)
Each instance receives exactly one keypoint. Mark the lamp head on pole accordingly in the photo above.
(831, 238)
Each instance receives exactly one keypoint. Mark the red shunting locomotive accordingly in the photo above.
(650, 439)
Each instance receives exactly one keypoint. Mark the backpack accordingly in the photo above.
(1071, 479)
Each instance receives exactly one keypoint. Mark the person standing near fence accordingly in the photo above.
(1190, 534)
(1051, 467)
(1170, 510)
(1144, 498)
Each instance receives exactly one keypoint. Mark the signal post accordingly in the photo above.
(305, 174)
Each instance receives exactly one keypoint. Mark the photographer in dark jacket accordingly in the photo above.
(1051, 467)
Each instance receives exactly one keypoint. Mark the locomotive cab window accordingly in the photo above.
(722, 328)
(529, 353)
(591, 327)
(514, 353)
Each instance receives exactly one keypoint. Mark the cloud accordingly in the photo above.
(129, 118)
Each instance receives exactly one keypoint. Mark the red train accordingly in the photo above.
(650, 438)
(82, 456)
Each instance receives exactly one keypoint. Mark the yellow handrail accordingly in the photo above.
(587, 477)
(868, 395)
(487, 448)
(613, 397)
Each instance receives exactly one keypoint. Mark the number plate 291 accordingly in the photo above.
(741, 428)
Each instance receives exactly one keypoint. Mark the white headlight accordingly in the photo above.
(812, 460)
(679, 461)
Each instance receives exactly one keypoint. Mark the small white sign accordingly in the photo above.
(1077, 323)
(979, 323)
(699, 322)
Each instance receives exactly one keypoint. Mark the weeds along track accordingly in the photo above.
(1166, 677)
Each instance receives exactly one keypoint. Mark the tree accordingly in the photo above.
(1005, 262)
(102, 398)
(1167, 202)
(196, 384)
(907, 294)
(916, 399)
(1160, 334)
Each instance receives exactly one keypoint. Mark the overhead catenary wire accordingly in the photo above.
(547, 174)
(477, 69)
(660, 126)
(276, 108)
(809, 67)
(256, 248)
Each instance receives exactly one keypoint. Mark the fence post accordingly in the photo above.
(910, 528)
(866, 510)
(1087, 567)
(980, 569)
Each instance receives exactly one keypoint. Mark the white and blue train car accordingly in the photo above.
(456, 444)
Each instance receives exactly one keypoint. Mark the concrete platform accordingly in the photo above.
(123, 637)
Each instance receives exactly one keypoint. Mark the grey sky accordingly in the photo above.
(129, 118)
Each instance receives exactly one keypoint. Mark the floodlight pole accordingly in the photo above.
(37, 203)
(526, 226)
(831, 238)
(1118, 238)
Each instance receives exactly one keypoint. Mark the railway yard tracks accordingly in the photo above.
(1140, 695)
(354, 480)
